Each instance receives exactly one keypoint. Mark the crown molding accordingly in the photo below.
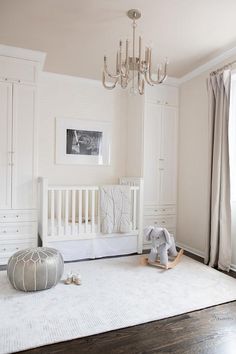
(208, 65)
(173, 81)
(25, 54)
(47, 75)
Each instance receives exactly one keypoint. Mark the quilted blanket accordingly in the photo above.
(115, 209)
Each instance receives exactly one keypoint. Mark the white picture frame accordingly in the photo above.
(84, 142)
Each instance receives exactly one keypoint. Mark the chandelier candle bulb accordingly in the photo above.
(133, 69)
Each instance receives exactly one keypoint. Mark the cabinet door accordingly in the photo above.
(5, 144)
(168, 170)
(24, 145)
(152, 152)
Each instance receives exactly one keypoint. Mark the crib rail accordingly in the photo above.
(73, 212)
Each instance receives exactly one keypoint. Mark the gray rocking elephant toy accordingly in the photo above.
(163, 244)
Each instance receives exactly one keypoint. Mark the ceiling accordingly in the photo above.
(76, 34)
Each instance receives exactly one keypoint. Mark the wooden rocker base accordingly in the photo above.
(170, 265)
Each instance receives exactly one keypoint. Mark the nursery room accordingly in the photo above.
(117, 176)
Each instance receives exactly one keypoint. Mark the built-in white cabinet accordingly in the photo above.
(5, 145)
(18, 164)
(24, 172)
(160, 157)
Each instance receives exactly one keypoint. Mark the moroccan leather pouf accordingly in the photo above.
(35, 269)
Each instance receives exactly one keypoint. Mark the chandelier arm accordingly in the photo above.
(124, 82)
(127, 58)
(160, 78)
(108, 87)
(140, 84)
(155, 82)
(147, 79)
(105, 68)
(120, 59)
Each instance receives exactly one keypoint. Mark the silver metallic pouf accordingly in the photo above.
(35, 269)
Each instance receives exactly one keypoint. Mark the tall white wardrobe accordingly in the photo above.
(18, 142)
(152, 152)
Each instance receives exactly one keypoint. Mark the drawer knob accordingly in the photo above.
(17, 230)
(17, 248)
(4, 216)
(4, 231)
(17, 216)
(4, 249)
(163, 209)
(155, 210)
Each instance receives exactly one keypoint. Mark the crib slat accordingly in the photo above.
(80, 209)
(66, 213)
(86, 211)
(59, 212)
(73, 212)
(92, 211)
(52, 213)
(134, 209)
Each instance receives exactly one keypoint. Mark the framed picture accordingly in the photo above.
(84, 142)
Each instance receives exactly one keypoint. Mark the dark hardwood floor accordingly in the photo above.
(208, 331)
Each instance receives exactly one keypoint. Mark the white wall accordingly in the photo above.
(193, 165)
(134, 161)
(73, 97)
(193, 181)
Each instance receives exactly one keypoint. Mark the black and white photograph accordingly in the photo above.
(83, 142)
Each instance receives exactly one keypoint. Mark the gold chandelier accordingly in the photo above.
(133, 69)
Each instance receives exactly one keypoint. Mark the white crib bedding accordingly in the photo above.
(88, 245)
(114, 245)
(78, 228)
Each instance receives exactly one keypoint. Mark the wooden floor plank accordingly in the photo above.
(207, 331)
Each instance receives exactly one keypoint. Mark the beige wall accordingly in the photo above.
(192, 222)
(62, 96)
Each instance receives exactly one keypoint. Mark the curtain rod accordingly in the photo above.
(226, 66)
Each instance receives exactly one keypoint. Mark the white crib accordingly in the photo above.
(70, 221)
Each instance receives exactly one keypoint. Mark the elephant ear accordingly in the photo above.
(167, 236)
(147, 232)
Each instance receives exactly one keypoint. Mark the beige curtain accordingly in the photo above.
(220, 211)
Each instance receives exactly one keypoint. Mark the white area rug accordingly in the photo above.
(115, 293)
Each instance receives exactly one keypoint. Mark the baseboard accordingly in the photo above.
(233, 267)
(191, 250)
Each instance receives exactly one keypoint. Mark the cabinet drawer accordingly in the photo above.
(159, 209)
(9, 248)
(17, 216)
(18, 229)
(168, 222)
